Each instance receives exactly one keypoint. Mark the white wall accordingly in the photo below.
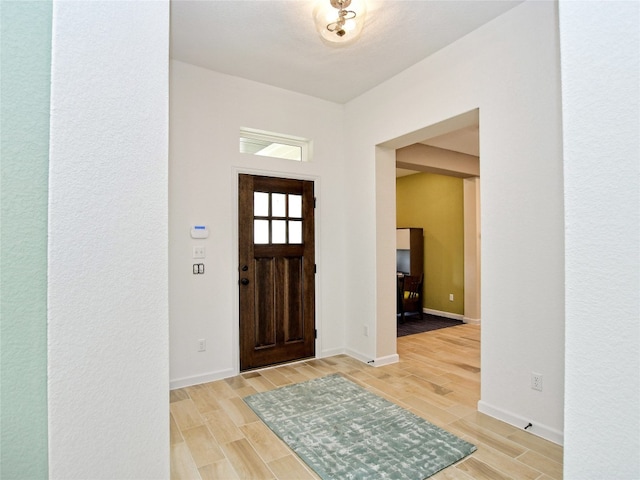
(509, 70)
(600, 51)
(206, 114)
(108, 372)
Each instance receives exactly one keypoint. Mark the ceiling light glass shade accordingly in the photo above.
(339, 21)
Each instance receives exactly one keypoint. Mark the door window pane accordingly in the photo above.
(295, 206)
(279, 231)
(260, 204)
(278, 205)
(261, 231)
(295, 231)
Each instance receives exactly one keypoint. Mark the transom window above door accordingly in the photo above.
(274, 145)
(277, 218)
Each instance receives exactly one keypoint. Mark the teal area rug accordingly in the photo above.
(343, 431)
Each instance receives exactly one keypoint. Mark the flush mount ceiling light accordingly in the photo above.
(339, 21)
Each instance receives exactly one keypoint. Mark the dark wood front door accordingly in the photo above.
(276, 271)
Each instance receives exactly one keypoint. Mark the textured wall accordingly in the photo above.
(435, 204)
(508, 69)
(600, 47)
(26, 67)
(108, 261)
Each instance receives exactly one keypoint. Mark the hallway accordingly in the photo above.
(215, 435)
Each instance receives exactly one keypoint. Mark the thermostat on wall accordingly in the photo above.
(199, 231)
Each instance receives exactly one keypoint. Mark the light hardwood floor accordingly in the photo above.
(215, 435)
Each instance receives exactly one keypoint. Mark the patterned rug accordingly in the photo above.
(343, 431)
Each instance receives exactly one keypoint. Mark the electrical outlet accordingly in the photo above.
(202, 345)
(536, 381)
(451, 297)
(198, 252)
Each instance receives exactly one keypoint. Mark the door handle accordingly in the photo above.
(244, 281)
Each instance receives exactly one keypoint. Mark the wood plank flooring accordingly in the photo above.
(214, 435)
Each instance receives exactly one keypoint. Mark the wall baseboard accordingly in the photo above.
(472, 321)
(331, 352)
(454, 316)
(222, 374)
(387, 360)
(518, 421)
(359, 356)
(198, 379)
(375, 362)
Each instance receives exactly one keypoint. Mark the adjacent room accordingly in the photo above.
(438, 228)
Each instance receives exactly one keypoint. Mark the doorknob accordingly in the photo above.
(244, 281)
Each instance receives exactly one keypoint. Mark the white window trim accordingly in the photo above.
(303, 143)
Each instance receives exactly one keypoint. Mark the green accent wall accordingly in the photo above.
(25, 78)
(435, 203)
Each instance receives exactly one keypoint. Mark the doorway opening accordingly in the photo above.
(451, 149)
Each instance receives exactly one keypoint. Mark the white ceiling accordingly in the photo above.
(275, 42)
(464, 140)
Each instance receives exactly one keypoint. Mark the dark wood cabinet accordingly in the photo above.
(410, 251)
